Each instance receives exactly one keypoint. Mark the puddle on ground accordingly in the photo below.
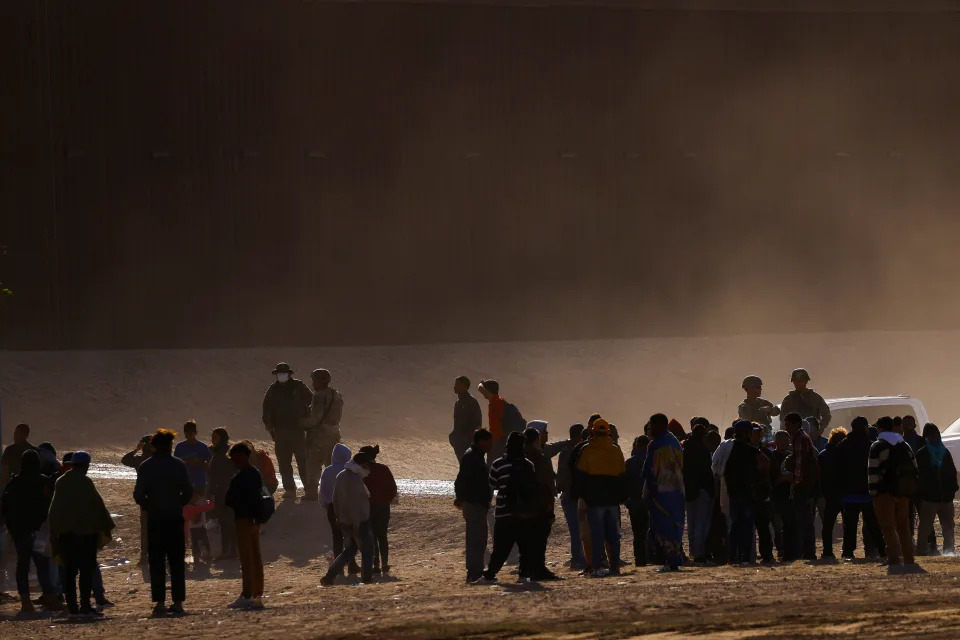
(407, 486)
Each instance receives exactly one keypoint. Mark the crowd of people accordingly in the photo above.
(740, 496)
(744, 496)
(57, 520)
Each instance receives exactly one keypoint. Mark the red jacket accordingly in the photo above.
(380, 483)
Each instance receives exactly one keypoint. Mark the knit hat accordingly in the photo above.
(371, 452)
(601, 427)
(539, 425)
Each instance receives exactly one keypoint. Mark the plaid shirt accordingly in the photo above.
(803, 453)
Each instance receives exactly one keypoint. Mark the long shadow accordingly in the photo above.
(298, 532)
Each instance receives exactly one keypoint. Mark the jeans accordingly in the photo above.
(831, 509)
(379, 522)
(699, 514)
(508, 531)
(475, 517)
(569, 506)
(291, 445)
(804, 510)
(872, 538)
(742, 522)
(359, 540)
(79, 554)
(763, 519)
(251, 562)
(640, 525)
(167, 544)
(25, 553)
(893, 515)
(604, 525)
(928, 511)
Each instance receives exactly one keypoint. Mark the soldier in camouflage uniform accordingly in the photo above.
(755, 408)
(807, 402)
(323, 429)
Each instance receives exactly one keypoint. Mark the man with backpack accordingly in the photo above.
(515, 480)
(802, 463)
(251, 507)
(503, 417)
(323, 430)
(894, 479)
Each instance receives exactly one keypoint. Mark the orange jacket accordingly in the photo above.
(495, 412)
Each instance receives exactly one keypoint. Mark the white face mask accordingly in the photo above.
(283, 377)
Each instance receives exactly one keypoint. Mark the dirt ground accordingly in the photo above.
(426, 596)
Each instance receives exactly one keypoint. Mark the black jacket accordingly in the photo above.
(853, 459)
(286, 405)
(936, 485)
(244, 494)
(163, 487)
(467, 418)
(577, 477)
(742, 472)
(473, 482)
(831, 473)
(697, 468)
(25, 502)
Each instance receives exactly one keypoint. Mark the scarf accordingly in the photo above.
(936, 451)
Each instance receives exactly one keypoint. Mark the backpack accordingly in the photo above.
(512, 419)
(904, 475)
(522, 489)
(265, 506)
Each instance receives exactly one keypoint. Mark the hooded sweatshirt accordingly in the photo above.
(328, 479)
(882, 461)
(604, 469)
(78, 508)
(351, 498)
(26, 498)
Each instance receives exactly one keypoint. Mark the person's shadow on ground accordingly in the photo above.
(298, 532)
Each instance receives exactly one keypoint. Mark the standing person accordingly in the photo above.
(515, 481)
(244, 496)
(756, 409)
(536, 565)
(134, 459)
(805, 402)
(910, 435)
(938, 487)
(784, 519)
(719, 467)
(742, 473)
(813, 429)
(763, 500)
(503, 417)
(698, 489)
(12, 455)
(351, 503)
(222, 470)
(196, 455)
(908, 426)
(163, 488)
(285, 405)
(328, 481)
(893, 480)
(663, 487)
(604, 470)
(79, 525)
(323, 429)
(637, 508)
(473, 495)
(24, 506)
(852, 457)
(383, 491)
(802, 464)
(568, 498)
(831, 487)
(467, 417)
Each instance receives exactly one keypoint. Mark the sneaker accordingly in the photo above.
(327, 581)
(483, 580)
(90, 612)
(376, 571)
(386, 569)
(255, 604)
(239, 603)
(160, 610)
(103, 603)
(26, 607)
(599, 573)
(176, 609)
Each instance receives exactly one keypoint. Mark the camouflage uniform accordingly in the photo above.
(753, 410)
(809, 404)
(323, 433)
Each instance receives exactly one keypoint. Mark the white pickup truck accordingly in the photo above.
(844, 410)
(951, 439)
